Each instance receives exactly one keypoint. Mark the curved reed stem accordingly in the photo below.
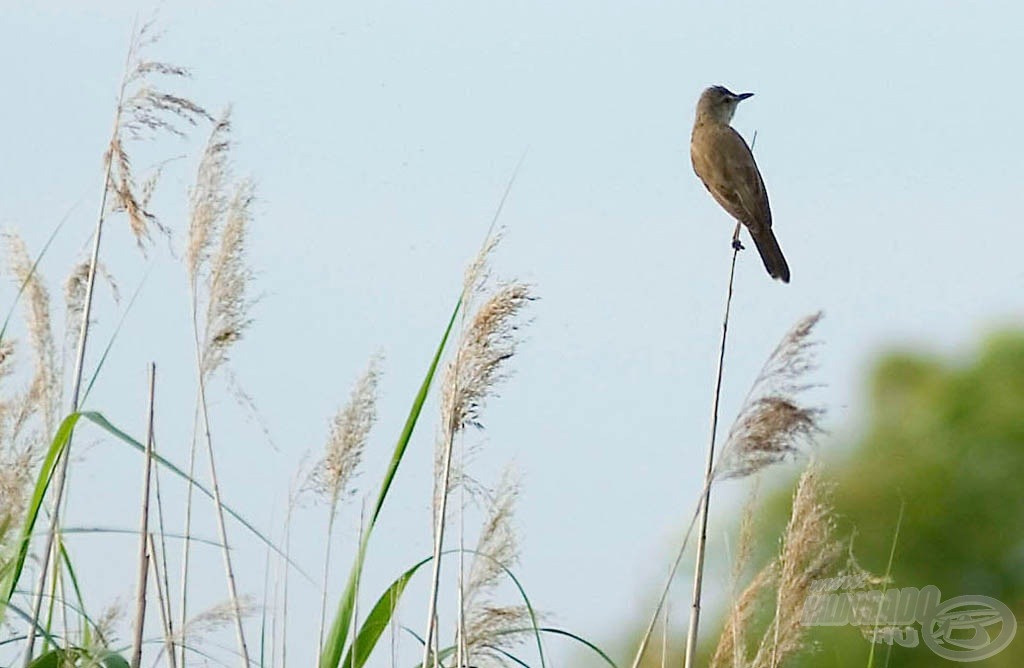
(702, 537)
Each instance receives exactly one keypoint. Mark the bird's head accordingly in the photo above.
(719, 103)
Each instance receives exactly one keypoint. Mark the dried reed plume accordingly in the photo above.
(43, 395)
(215, 255)
(331, 476)
(207, 199)
(347, 442)
(810, 551)
(491, 629)
(743, 604)
(479, 365)
(487, 341)
(105, 627)
(732, 648)
(214, 619)
(772, 424)
(75, 291)
(227, 313)
(16, 472)
(144, 111)
(215, 259)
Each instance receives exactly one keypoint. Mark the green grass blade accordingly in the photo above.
(885, 585)
(338, 636)
(13, 574)
(113, 338)
(379, 618)
(102, 422)
(511, 657)
(40, 631)
(112, 660)
(414, 415)
(66, 560)
(583, 641)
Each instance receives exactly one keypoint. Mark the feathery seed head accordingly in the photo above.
(227, 312)
(207, 200)
(479, 364)
(772, 424)
(143, 111)
(489, 627)
(44, 391)
(349, 432)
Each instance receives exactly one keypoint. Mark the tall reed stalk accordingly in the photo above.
(215, 259)
(702, 536)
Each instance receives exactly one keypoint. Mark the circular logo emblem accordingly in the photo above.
(959, 629)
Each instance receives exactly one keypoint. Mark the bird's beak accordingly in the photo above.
(742, 96)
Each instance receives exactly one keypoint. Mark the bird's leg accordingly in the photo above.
(736, 244)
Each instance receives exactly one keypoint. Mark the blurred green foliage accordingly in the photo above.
(944, 439)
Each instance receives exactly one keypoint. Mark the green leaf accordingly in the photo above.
(112, 660)
(13, 574)
(52, 659)
(100, 421)
(338, 636)
(379, 618)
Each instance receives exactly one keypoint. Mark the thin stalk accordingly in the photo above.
(702, 537)
(663, 599)
(664, 637)
(286, 579)
(165, 608)
(327, 566)
(144, 552)
(276, 618)
(229, 572)
(76, 382)
(363, 528)
(885, 586)
(435, 577)
(160, 571)
(462, 650)
(267, 609)
(186, 547)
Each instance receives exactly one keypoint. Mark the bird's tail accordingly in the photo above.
(771, 254)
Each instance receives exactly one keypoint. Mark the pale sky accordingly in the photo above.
(381, 137)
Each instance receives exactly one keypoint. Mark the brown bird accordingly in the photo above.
(724, 163)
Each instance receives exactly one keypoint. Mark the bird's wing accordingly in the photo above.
(725, 164)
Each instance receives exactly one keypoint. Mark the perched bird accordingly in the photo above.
(724, 163)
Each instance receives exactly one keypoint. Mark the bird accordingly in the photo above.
(724, 163)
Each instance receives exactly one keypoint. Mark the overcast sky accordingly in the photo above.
(381, 137)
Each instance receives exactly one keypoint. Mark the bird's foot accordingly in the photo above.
(736, 245)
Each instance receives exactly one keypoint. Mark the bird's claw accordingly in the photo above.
(737, 245)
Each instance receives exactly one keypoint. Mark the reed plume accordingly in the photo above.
(331, 476)
(773, 423)
(215, 260)
(487, 341)
(491, 629)
(810, 550)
